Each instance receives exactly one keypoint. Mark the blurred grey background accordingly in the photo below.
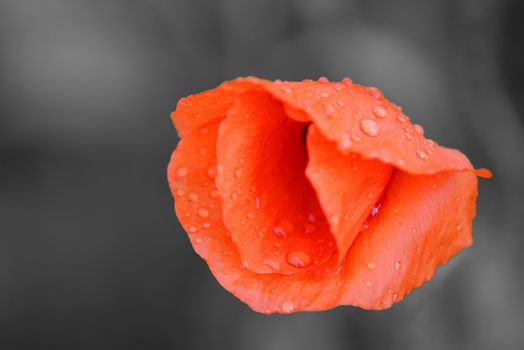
(91, 253)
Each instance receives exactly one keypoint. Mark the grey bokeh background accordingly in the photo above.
(91, 253)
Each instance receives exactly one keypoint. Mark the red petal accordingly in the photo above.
(359, 119)
(195, 190)
(196, 110)
(347, 186)
(269, 206)
(424, 220)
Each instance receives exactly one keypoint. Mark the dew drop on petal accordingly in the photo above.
(347, 81)
(397, 265)
(250, 215)
(288, 307)
(323, 80)
(211, 173)
(340, 103)
(419, 129)
(375, 210)
(238, 173)
(198, 240)
(234, 196)
(401, 118)
(368, 283)
(206, 225)
(355, 137)
(380, 111)
(311, 217)
(409, 136)
(180, 192)
(275, 265)
(193, 229)
(203, 213)
(298, 259)
(309, 228)
(182, 171)
(376, 93)
(422, 155)
(204, 131)
(369, 127)
(371, 265)
(193, 197)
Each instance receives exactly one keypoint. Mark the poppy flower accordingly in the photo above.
(309, 195)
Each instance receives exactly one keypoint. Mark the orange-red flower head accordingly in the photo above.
(308, 195)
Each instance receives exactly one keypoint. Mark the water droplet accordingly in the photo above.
(198, 240)
(193, 197)
(180, 192)
(204, 131)
(283, 229)
(338, 88)
(434, 186)
(257, 202)
(324, 94)
(250, 215)
(278, 81)
(401, 118)
(369, 127)
(275, 265)
(234, 196)
(334, 219)
(368, 283)
(288, 307)
(347, 81)
(409, 136)
(328, 109)
(203, 213)
(211, 173)
(459, 227)
(419, 129)
(298, 259)
(355, 137)
(206, 225)
(345, 142)
(376, 93)
(181, 172)
(311, 217)
(371, 265)
(323, 80)
(214, 194)
(375, 209)
(422, 155)
(309, 228)
(355, 168)
(380, 111)
(340, 103)
(414, 230)
(238, 173)
(193, 229)
(397, 265)
(370, 195)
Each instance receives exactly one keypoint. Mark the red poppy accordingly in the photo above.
(308, 195)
